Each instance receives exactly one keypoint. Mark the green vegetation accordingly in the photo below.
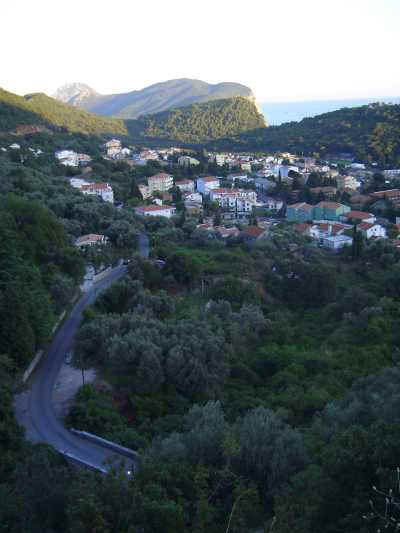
(193, 124)
(259, 382)
(198, 123)
(265, 374)
(23, 114)
(369, 132)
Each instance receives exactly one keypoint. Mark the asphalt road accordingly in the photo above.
(41, 412)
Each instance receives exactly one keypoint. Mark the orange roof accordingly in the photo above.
(301, 205)
(365, 225)
(160, 176)
(148, 208)
(254, 231)
(328, 205)
(224, 191)
(358, 214)
(99, 186)
(90, 237)
(209, 179)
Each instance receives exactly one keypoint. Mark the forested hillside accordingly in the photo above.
(192, 124)
(42, 111)
(369, 132)
(198, 123)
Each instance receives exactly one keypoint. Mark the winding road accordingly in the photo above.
(41, 420)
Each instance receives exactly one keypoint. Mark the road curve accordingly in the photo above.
(47, 426)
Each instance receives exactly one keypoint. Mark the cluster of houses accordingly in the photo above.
(328, 222)
(234, 201)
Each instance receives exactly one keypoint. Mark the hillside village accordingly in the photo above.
(327, 201)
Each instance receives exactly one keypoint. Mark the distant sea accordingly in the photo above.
(279, 112)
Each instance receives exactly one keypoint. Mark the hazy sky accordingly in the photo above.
(283, 49)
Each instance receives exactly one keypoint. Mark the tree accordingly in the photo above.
(357, 244)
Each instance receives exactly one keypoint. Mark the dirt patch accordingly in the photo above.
(68, 382)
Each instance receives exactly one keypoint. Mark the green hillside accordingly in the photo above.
(368, 132)
(193, 124)
(38, 110)
(199, 123)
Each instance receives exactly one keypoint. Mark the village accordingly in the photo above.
(324, 200)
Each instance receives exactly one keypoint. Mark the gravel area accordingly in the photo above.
(68, 382)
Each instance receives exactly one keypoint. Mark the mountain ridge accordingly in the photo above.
(195, 123)
(152, 99)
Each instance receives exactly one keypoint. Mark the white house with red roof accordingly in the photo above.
(234, 199)
(90, 240)
(104, 190)
(372, 230)
(166, 211)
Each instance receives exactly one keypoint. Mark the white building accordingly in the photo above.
(193, 197)
(347, 182)
(336, 242)
(99, 189)
(206, 184)
(234, 199)
(155, 211)
(372, 230)
(68, 158)
(77, 182)
(187, 161)
(15, 146)
(185, 185)
(283, 170)
(394, 173)
(90, 240)
(160, 182)
(239, 177)
(273, 205)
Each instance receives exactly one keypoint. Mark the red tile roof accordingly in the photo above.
(301, 205)
(149, 208)
(253, 231)
(363, 226)
(328, 205)
(209, 179)
(358, 214)
(98, 186)
(160, 176)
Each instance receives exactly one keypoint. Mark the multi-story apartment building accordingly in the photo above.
(234, 199)
(160, 182)
(347, 182)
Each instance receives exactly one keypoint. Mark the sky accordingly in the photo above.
(284, 50)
